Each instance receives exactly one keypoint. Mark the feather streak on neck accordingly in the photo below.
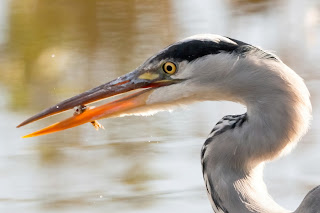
(278, 109)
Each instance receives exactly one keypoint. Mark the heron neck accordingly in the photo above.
(278, 109)
(279, 112)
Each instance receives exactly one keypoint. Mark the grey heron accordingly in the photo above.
(212, 67)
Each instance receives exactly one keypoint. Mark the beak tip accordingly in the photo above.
(31, 135)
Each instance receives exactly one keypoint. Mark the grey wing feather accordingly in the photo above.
(311, 202)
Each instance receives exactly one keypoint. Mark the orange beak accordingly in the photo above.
(137, 79)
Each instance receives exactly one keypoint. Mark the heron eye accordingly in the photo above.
(169, 68)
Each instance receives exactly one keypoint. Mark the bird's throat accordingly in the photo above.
(278, 115)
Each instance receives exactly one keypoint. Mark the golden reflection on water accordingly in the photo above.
(56, 49)
(53, 41)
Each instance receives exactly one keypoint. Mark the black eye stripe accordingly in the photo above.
(193, 49)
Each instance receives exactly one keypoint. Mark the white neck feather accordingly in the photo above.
(278, 109)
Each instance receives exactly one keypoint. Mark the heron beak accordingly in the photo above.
(137, 79)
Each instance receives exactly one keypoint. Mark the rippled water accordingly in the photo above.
(51, 50)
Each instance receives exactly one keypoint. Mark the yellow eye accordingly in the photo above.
(169, 68)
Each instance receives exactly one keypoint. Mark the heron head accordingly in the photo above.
(163, 80)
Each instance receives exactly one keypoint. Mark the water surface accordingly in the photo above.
(51, 50)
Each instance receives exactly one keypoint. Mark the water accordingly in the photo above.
(51, 50)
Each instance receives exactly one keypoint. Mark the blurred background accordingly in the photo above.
(51, 50)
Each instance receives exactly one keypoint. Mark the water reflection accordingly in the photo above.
(63, 47)
(51, 50)
(245, 7)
